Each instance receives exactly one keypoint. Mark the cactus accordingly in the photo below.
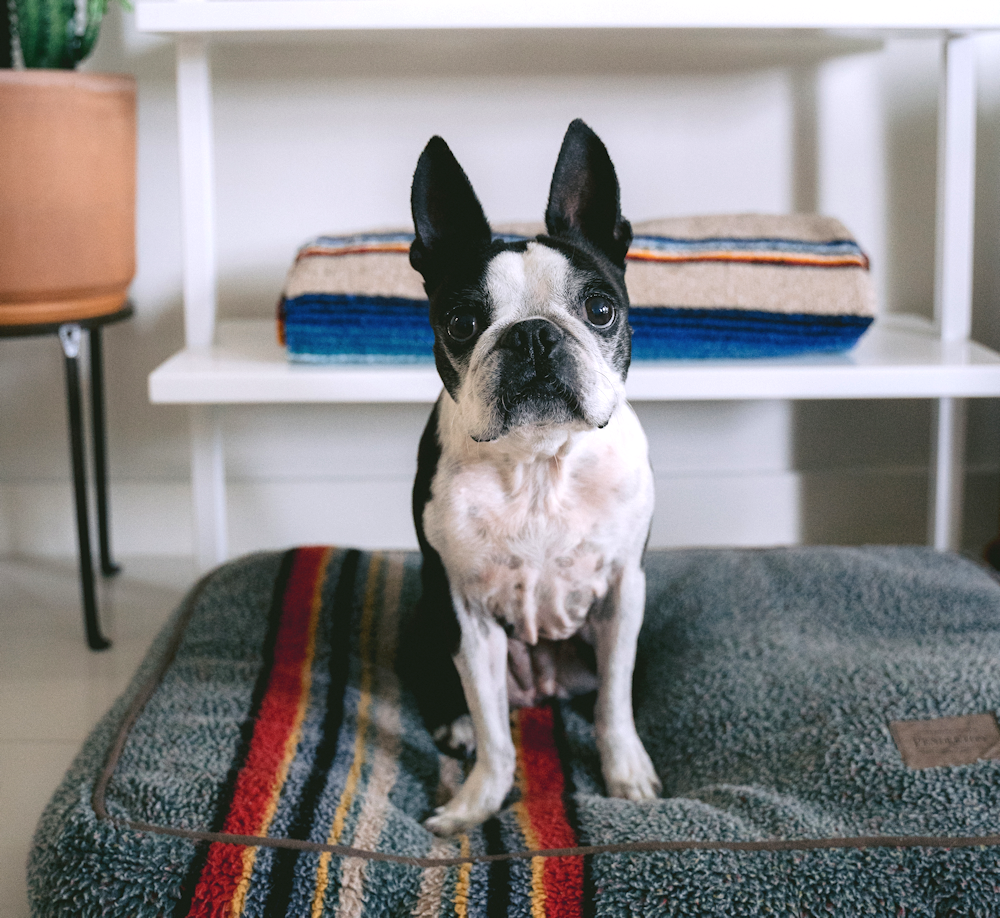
(6, 49)
(53, 33)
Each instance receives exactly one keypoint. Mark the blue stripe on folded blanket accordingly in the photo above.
(736, 244)
(332, 245)
(667, 333)
(358, 239)
(342, 328)
(327, 328)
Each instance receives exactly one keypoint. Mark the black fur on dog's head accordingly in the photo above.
(528, 332)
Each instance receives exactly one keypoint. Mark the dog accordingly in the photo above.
(533, 494)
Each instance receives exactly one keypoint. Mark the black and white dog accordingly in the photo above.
(533, 494)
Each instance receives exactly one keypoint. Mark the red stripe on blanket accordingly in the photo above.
(259, 781)
(544, 790)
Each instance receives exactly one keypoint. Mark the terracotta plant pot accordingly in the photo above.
(67, 194)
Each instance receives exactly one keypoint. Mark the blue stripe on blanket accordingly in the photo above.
(331, 244)
(326, 328)
(734, 244)
(358, 239)
(666, 333)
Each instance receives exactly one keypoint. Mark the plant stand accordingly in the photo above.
(71, 338)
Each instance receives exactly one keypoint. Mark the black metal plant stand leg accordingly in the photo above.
(99, 439)
(70, 336)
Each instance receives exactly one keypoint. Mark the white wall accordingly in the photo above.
(322, 135)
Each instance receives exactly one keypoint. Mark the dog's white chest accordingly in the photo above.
(539, 579)
(536, 543)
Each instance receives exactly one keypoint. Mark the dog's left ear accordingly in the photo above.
(448, 219)
(584, 195)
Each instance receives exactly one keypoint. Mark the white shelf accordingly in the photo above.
(896, 359)
(899, 357)
(202, 16)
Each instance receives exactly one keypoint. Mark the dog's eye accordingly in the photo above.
(462, 326)
(600, 312)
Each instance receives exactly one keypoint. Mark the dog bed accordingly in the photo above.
(729, 286)
(267, 760)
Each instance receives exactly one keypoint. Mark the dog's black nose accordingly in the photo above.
(532, 338)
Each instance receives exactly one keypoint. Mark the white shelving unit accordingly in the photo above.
(239, 362)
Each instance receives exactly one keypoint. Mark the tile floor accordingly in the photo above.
(53, 689)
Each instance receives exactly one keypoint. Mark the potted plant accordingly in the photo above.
(67, 162)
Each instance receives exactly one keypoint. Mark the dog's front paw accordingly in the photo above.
(477, 799)
(628, 770)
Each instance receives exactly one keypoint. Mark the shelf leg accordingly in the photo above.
(956, 196)
(194, 127)
(947, 475)
(208, 487)
(194, 122)
(956, 189)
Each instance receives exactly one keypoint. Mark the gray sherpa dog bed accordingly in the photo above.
(823, 721)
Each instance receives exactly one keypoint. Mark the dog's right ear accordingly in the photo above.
(447, 217)
(584, 197)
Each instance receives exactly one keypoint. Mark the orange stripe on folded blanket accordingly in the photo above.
(357, 249)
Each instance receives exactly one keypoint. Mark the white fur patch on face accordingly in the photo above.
(539, 283)
(523, 285)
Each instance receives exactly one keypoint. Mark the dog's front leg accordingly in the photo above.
(482, 666)
(628, 771)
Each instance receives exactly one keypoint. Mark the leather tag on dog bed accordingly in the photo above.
(947, 740)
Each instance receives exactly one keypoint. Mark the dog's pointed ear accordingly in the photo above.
(447, 217)
(584, 195)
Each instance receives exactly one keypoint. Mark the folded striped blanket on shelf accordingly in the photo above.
(734, 286)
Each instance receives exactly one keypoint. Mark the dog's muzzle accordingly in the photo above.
(537, 375)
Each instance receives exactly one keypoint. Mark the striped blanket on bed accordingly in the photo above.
(268, 761)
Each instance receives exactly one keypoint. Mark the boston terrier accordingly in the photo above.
(534, 494)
